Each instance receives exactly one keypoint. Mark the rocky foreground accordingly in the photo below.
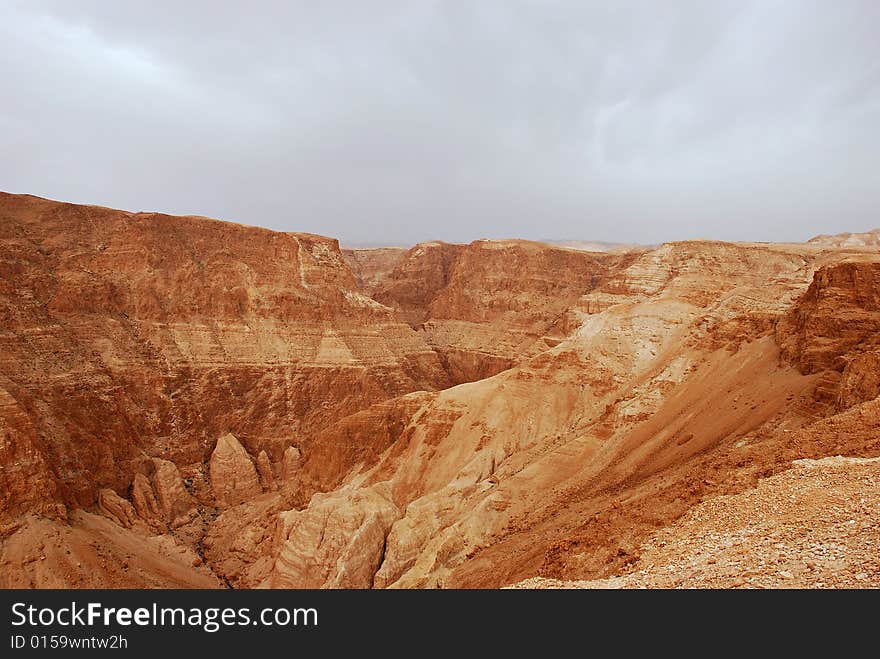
(192, 403)
(816, 525)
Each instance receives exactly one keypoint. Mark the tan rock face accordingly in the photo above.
(143, 498)
(860, 380)
(23, 485)
(114, 507)
(134, 333)
(233, 475)
(174, 501)
(338, 542)
(416, 279)
(158, 498)
(485, 306)
(844, 240)
(372, 266)
(264, 469)
(360, 438)
(244, 408)
(290, 462)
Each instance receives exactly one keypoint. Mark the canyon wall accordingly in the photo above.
(128, 336)
(669, 387)
(192, 403)
(488, 305)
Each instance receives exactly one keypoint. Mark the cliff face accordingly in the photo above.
(503, 301)
(667, 386)
(124, 335)
(416, 280)
(839, 312)
(834, 330)
(371, 266)
(488, 305)
(210, 404)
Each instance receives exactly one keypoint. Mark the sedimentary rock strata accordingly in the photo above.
(192, 403)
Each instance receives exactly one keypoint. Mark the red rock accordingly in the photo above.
(144, 499)
(264, 469)
(485, 306)
(131, 342)
(233, 475)
(114, 507)
(840, 311)
(290, 462)
(131, 334)
(860, 380)
(175, 503)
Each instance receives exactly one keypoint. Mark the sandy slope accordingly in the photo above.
(92, 552)
(816, 525)
(181, 390)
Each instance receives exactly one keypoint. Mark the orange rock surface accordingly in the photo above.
(191, 403)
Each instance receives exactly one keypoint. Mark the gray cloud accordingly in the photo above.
(399, 121)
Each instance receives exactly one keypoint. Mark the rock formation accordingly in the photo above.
(370, 267)
(860, 380)
(485, 306)
(849, 240)
(290, 462)
(130, 332)
(191, 403)
(233, 475)
(264, 469)
(117, 509)
(837, 315)
(337, 542)
(175, 503)
(144, 499)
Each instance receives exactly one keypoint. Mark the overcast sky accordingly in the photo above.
(395, 122)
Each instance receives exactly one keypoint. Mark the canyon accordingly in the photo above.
(186, 402)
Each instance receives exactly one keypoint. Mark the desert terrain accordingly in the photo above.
(187, 402)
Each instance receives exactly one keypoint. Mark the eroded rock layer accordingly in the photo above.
(191, 403)
(486, 306)
(131, 334)
(669, 387)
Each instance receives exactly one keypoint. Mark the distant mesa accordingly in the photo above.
(866, 239)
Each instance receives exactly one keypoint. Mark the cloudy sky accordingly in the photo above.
(389, 122)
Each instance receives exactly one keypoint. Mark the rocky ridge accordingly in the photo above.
(864, 239)
(271, 412)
